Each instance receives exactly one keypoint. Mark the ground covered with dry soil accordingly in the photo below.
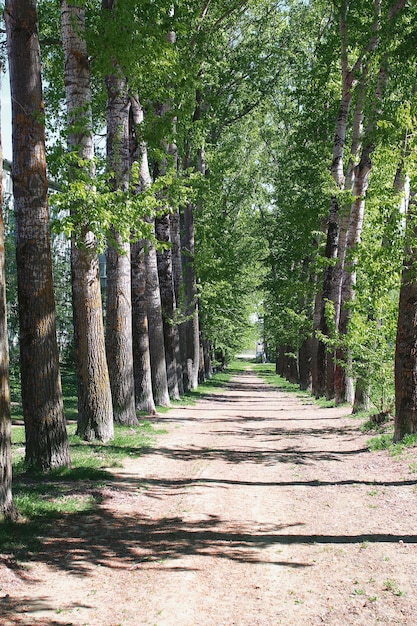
(256, 508)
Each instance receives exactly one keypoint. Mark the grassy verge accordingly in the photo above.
(267, 372)
(384, 431)
(41, 499)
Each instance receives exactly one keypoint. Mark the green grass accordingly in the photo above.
(385, 442)
(267, 372)
(41, 498)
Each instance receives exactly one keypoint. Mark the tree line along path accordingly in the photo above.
(256, 507)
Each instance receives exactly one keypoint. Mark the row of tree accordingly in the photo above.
(252, 147)
(145, 76)
(339, 142)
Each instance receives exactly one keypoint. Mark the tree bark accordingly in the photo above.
(305, 364)
(165, 269)
(141, 354)
(7, 508)
(406, 341)
(344, 382)
(95, 412)
(156, 329)
(325, 366)
(119, 343)
(168, 304)
(192, 342)
(43, 411)
(344, 388)
(177, 273)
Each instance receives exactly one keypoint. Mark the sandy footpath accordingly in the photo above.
(256, 508)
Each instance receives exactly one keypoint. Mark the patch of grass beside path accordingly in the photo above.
(217, 382)
(267, 372)
(382, 441)
(41, 499)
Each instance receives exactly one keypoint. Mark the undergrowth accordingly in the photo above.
(385, 442)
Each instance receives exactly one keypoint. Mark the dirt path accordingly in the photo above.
(254, 509)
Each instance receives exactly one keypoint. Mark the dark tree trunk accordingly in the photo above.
(141, 356)
(208, 372)
(165, 266)
(191, 307)
(315, 377)
(201, 367)
(406, 343)
(168, 304)
(181, 354)
(95, 412)
(304, 361)
(280, 362)
(324, 365)
(361, 401)
(7, 508)
(43, 411)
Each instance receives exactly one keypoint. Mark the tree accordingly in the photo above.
(95, 412)
(165, 268)
(141, 354)
(118, 288)
(43, 411)
(370, 30)
(323, 382)
(406, 343)
(156, 328)
(7, 508)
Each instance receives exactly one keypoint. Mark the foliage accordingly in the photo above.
(84, 199)
(256, 86)
(228, 245)
(296, 131)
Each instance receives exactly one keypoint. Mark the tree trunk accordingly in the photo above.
(293, 375)
(324, 370)
(360, 177)
(43, 411)
(315, 371)
(181, 354)
(168, 304)
(152, 291)
(156, 329)
(344, 384)
(191, 307)
(165, 267)
(119, 346)
(406, 342)
(141, 354)
(304, 360)
(208, 371)
(361, 400)
(7, 508)
(95, 412)
(325, 365)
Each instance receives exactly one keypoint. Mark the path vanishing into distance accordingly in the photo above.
(256, 507)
